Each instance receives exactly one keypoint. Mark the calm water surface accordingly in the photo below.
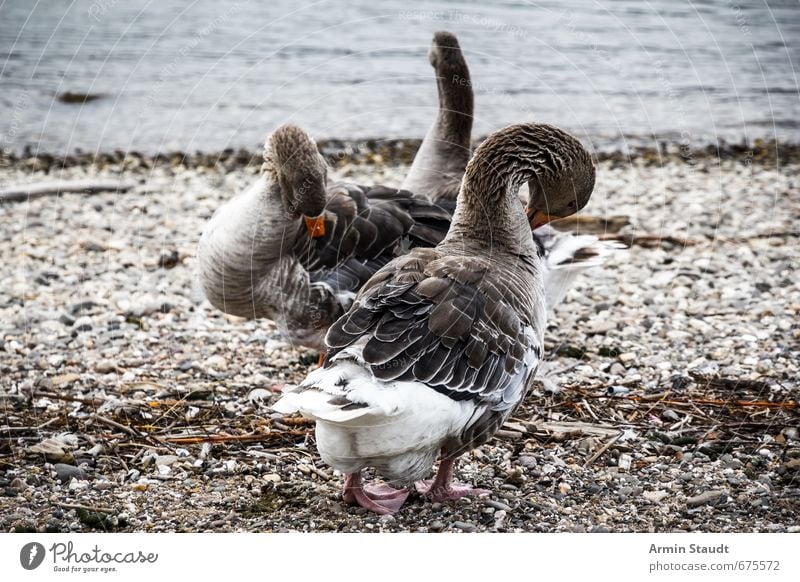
(205, 75)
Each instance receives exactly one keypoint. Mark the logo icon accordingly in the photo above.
(31, 555)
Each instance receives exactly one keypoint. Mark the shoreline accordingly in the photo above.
(124, 389)
(391, 152)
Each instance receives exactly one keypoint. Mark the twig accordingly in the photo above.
(228, 438)
(12, 429)
(589, 409)
(603, 449)
(85, 507)
(788, 233)
(115, 424)
(647, 240)
(31, 191)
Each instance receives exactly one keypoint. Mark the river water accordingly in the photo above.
(206, 75)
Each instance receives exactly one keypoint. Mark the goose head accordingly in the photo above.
(564, 177)
(558, 170)
(456, 99)
(445, 53)
(292, 160)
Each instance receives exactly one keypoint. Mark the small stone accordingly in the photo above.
(105, 367)
(52, 449)
(670, 415)
(627, 358)
(272, 478)
(436, 526)
(617, 369)
(603, 326)
(96, 450)
(166, 460)
(169, 260)
(792, 465)
(18, 484)
(713, 497)
(497, 505)
(81, 306)
(515, 477)
(66, 473)
(464, 526)
(67, 319)
(655, 496)
(217, 363)
(83, 323)
(65, 379)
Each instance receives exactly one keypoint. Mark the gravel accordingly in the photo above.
(112, 364)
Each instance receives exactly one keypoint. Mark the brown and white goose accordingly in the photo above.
(439, 165)
(442, 344)
(294, 249)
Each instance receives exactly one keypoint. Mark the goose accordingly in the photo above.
(293, 249)
(441, 344)
(439, 164)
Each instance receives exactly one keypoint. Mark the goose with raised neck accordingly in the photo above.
(439, 164)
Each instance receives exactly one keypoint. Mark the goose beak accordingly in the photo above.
(537, 218)
(315, 225)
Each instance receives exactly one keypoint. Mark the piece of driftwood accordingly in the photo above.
(586, 224)
(565, 429)
(31, 191)
(646, 240)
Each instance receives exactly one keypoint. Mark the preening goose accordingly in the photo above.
(295, 250)
(442, 344)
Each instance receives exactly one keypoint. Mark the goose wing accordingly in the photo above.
(469, 327)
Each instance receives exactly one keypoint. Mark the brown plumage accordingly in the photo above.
(442, 344)
(439, 164)
(257, 257)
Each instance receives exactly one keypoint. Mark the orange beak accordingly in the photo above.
(315, 225)
(537, 218)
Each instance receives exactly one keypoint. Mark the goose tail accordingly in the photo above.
(566, 256)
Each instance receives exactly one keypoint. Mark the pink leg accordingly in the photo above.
(379, 498)
(442, 488)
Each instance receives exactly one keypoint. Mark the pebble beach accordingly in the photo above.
(668, 401)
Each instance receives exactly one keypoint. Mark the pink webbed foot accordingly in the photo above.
(441, 488)
(380, 498)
